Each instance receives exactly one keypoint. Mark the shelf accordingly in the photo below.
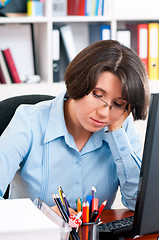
(81, 19)
(23, 20)
(10, 90)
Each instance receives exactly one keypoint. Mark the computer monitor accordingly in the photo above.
(146, 218)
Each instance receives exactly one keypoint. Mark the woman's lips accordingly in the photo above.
(97, 122)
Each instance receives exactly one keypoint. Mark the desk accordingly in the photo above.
(111, 215)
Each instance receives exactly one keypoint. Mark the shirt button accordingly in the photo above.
(122, 148)
(77, 162)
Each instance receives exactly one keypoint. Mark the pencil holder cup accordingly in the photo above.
(89, 231)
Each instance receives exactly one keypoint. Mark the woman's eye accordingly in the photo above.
(98, 95)
(117, 104)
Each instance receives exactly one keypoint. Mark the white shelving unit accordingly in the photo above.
(119, 11)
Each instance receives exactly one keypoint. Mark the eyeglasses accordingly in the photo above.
(118, 107)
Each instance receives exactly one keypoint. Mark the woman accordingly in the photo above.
(84, 137)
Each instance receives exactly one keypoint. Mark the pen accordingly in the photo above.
(61, 190)
(89, 199)
(66, 204)
(93, 216)
(61, 208)
(93, 192)
(64, 214)
(60, 194)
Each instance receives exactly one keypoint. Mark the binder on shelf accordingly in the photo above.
(143, 43)
(99, 32)
(4, 69)
(133, 27)
(68, 41)
(105, 32)
(124, 37)
(76, 7)
(94, 32)
(59, 8)
(56, 54)
(153, 50)
(11, 65)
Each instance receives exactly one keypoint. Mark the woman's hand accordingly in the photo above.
(118, 124)
(56, 210)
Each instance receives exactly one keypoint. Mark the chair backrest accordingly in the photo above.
(9, 106)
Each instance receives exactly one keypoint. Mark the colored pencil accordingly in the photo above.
(101, 209)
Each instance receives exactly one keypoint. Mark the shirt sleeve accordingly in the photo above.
(126, 149)
(14, 145)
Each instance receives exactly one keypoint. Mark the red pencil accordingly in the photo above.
(101, 209)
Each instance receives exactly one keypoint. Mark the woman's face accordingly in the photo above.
(95, 110)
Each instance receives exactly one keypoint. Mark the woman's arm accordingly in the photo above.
(14, 144)
(126, 150)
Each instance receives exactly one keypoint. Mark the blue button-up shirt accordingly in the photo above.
(37, 154)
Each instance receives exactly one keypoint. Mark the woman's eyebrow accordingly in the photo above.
(101, 89)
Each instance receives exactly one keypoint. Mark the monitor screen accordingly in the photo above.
(146, 218)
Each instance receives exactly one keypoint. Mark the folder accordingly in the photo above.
(68, 41)
(56, 54)
(105, 32)
(143, 43)
(134, 35)
(153, 52)
(94, 32)
(124, 37)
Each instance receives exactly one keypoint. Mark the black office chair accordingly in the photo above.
(9, 106)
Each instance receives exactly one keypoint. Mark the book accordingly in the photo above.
(2, 80)
(56, 54)
(76, 7)
(59, 8)
(11, 65)
(99, 8)
(153, 51)
(4, 69)
(19, 39)
(68, 41)
(143, 43)
(88, 7)
(22, 219)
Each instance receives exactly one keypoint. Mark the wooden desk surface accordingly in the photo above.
(114, 214)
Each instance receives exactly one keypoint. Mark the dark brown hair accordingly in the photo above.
(109, 55)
